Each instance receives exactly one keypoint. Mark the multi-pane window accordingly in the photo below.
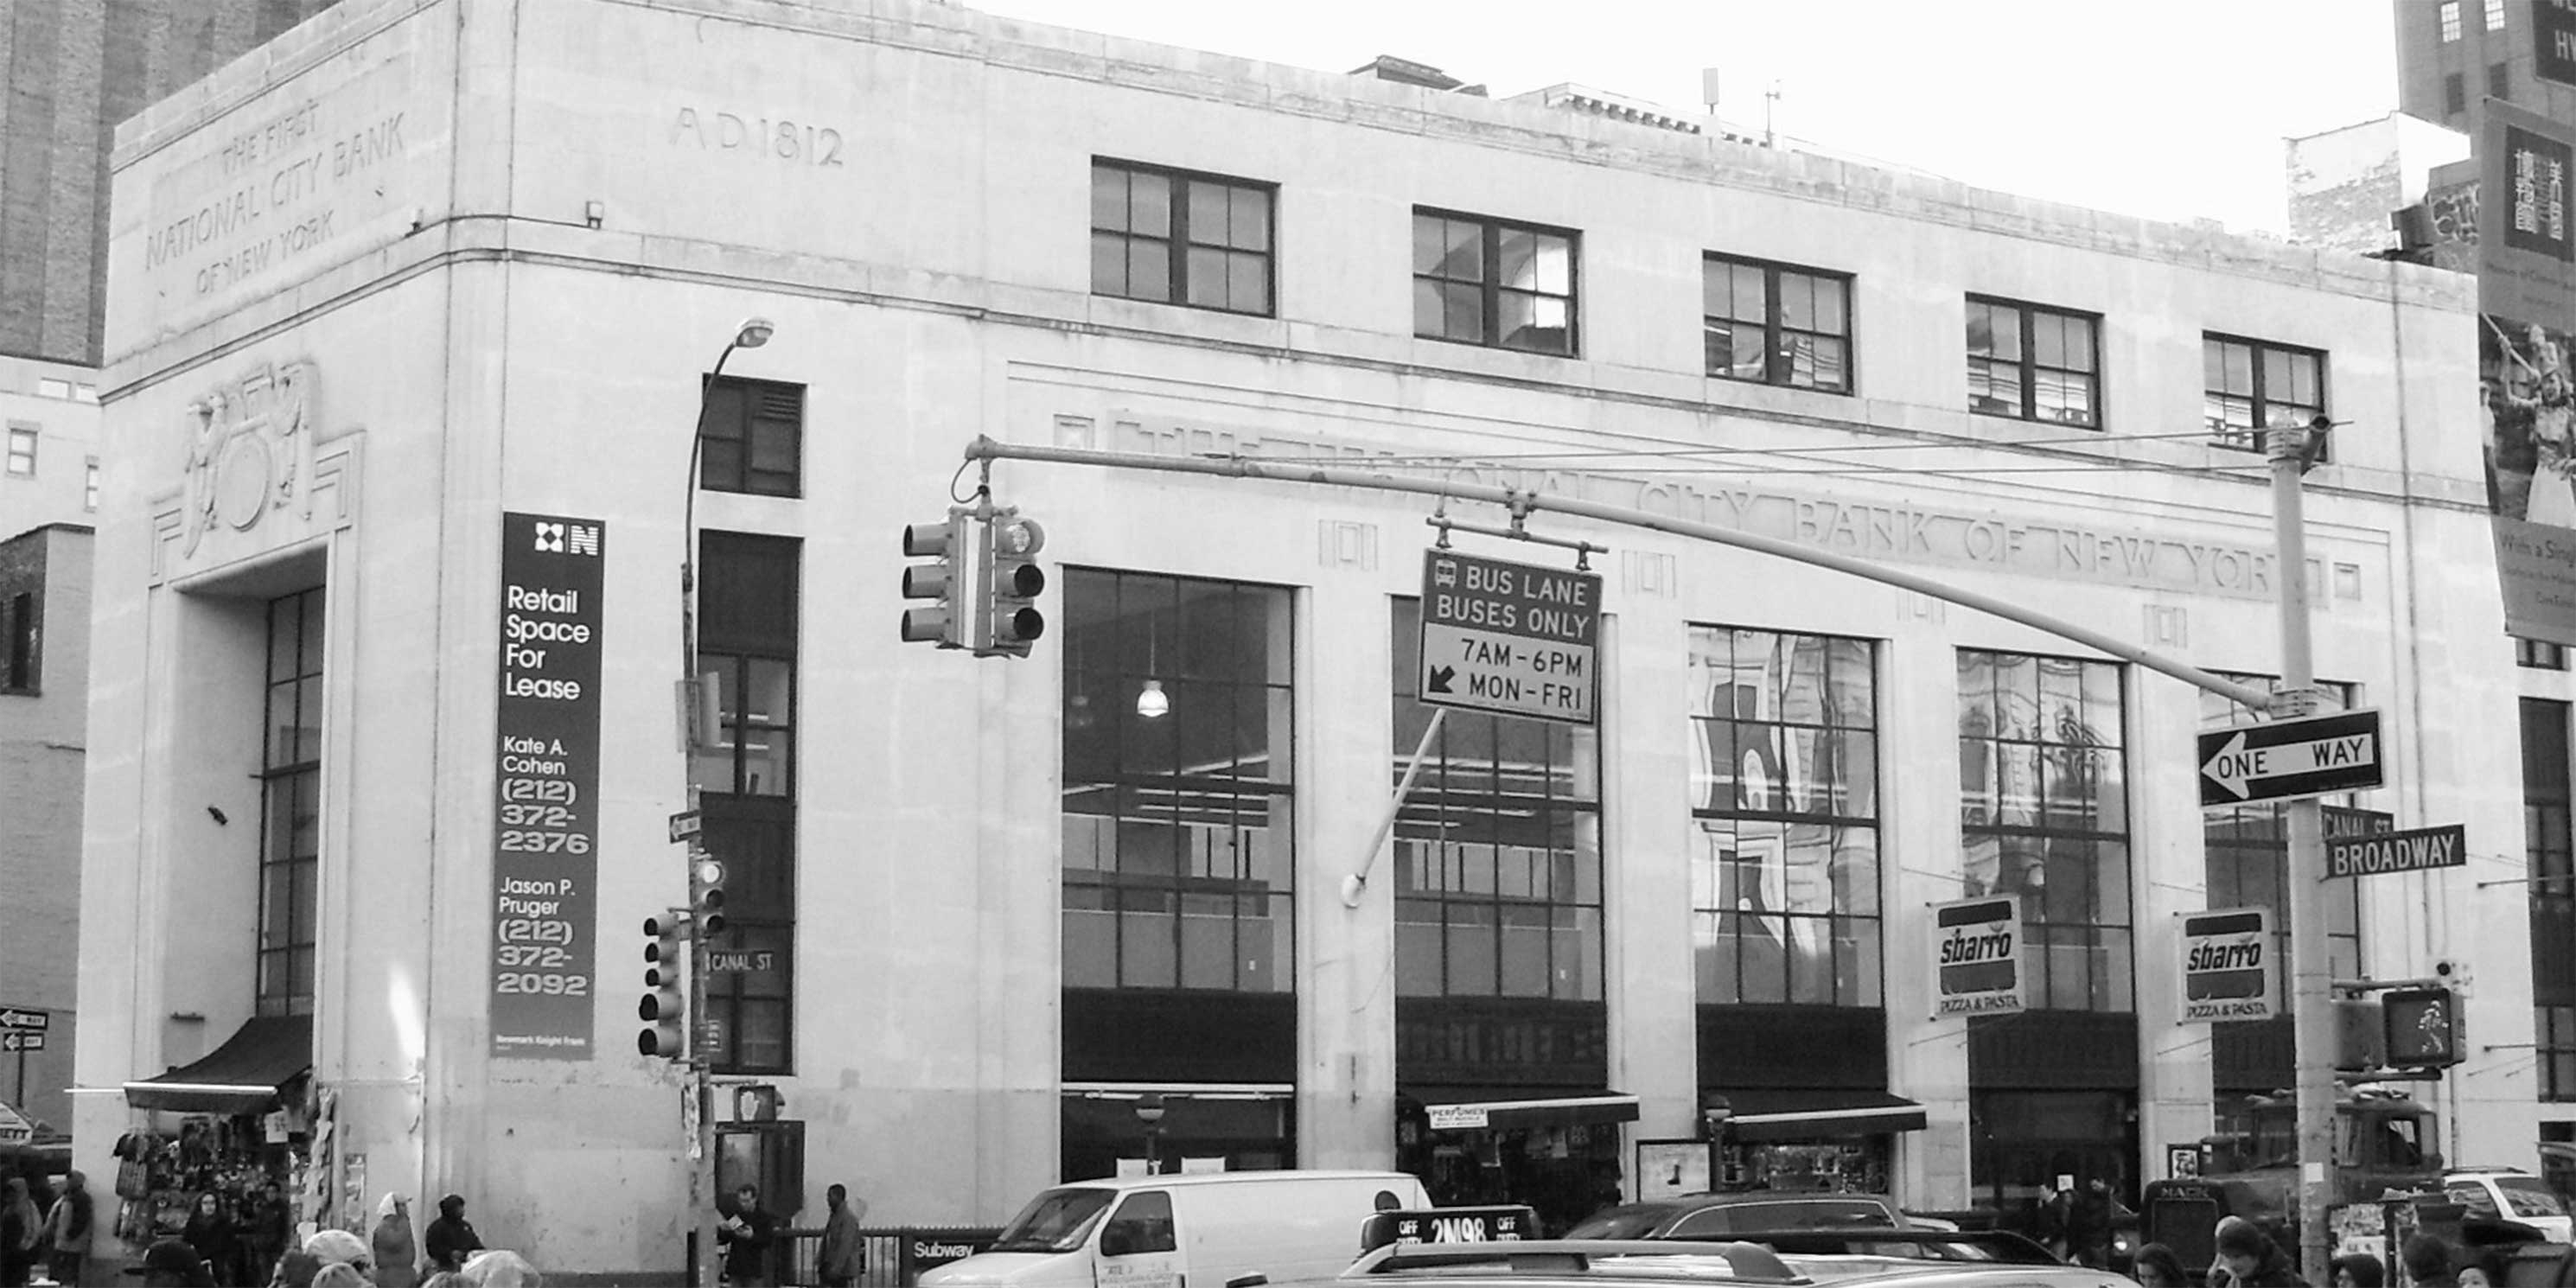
(746, 781)
(2495, 15)
(1774, 324)
(2499, 80)
(1490, 282)
(1784, 795)
(751, 437)
(53, 387)
(2449, 16)
(20, 657)
(1497, 849)
(290, 824)
(89, 486)
(2247, 851)
(22, 451)
(2044, 814)
(2248, 387)
(2539, 655)
(2549, 856)
(1179, 834)
(2455, 93)
(2034, 363)
(1180, 238)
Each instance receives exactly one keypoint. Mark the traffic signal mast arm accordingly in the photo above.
(989, 449)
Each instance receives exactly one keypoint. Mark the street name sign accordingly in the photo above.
(2343, 822)
(1508, 638)
(13, 1018)
(2230, 970)
(2280, 759)
(2413, 850)
(1976, 957)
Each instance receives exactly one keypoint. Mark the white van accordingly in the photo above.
(1207, 1230)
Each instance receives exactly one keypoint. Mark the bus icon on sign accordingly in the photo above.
(1444, 573)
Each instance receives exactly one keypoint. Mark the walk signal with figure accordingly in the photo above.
(665, 1005)
(1010, 581)
(942, 580)
(2423, 1028)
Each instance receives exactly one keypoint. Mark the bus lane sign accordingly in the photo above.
(1509, 638)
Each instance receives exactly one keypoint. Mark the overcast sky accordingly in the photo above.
(2168, 109)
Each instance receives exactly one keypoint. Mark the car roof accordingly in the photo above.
(1190, 1179)
(1658, 1263)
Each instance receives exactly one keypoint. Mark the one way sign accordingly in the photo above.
(2280, 759)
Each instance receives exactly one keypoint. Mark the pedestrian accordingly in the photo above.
(451, 1236)
(397, 1253)
(272, 1228)
(2484, 1268)
(2158, 1267)
(2429, 1261)
(2050, 1221)
(295, 1269)
(70, 1227)
(844, 1254)
(499, 1268)
(209, 1232)
(2088, 1225)
(2355, 1270)
(21, 1226)
(174, 1263)
(745, 1236)
(339, 1274)
(2247, 1258)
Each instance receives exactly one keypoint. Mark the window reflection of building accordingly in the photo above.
(1179, 855)
(1784, 773)
(749, 601)
(2044, 815)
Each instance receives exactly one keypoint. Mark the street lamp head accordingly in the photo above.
(753, 333)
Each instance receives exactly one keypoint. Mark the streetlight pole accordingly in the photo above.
(2311, 966)
(1149, 1111)
(695, 731)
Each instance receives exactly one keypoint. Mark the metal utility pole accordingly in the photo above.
(2311, 968)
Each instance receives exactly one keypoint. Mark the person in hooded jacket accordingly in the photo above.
(397, 1253)
(2247, 1258)
(70, 1227)
(451, 1236)
(21, 1223)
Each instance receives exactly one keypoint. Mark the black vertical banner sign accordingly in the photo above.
(544, 862)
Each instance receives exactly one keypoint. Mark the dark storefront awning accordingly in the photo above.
(243, 1076)
(1817, 1114)
(1497, 1110)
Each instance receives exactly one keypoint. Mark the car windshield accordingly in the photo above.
(1054, 1221)
(2526, 1196)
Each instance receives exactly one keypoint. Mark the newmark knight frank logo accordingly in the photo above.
(567, 539)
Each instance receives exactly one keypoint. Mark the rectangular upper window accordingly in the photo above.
(1776, 324)
(752, 437)
(1175, 237)
(2499, 81)
(2249, 386)
(19, 656)
(2034, 363)
(2449, 16)
(2495, 15)
(22, 451)
(2455, 94)
(89, 487)
(1490, 282)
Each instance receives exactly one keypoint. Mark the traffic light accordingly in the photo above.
(2361, 1035)
(1011, 581)
(663, 1010)
(2423, 1028)
(942, 580)
(706, 894)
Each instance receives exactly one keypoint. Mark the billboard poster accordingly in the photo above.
(2553, 40)
(2229, 969)
(546, 824)
(1976, 957)
(2526, 366)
